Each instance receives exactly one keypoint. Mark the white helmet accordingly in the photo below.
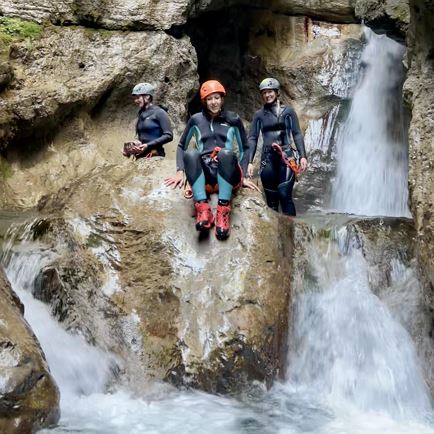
(269, 83)
(143, 89)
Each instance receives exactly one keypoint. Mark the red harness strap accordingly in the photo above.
(290, 162)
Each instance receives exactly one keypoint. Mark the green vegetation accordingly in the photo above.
(12, 29)
(5, 169)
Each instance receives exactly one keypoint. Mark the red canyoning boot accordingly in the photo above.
(204, 217)
(223, 222)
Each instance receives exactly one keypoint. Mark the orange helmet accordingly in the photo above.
(211, 86)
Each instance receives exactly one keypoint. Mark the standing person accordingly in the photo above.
(277, 123)
(213, 165)
(153, 127)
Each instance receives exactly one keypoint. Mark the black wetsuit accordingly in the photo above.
(277, 179)
(200, 168)
(153, 128)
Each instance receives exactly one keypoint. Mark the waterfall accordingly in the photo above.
(347, 348)
(78, 368)
(372, 168)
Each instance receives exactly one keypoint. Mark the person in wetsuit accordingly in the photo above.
(153, 127)
(213, 163)
(277, 123)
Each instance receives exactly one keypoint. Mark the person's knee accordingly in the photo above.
(191, 155)
(227, 156)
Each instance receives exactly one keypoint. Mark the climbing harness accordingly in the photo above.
(289, 161)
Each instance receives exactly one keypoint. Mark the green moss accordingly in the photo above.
(14, 28)
(5, 169)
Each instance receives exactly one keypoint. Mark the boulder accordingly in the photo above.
(132, 276)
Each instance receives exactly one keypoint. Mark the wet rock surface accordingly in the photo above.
(29, 398)
(132, 276)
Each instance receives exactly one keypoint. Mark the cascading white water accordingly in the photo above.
(347, 347)
(78, 368)
(372, 151)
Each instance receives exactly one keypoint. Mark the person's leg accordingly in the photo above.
(196, 178)
(194, 174)
(287, 178)
(270, 182)
(228, 176)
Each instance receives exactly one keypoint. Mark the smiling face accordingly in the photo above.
(214, 103)
(142, 100)
(269, 96)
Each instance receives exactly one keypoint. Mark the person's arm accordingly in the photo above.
(243, 144)
(255, 129)
(298, 138)
(178, 179)
(166, 131)
(294, 126)
(184, 141)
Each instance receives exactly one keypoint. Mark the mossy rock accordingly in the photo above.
(16, 29)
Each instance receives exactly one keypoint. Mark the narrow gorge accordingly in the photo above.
(117, 318)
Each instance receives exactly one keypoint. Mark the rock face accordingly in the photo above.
(418, 91)
(390, 16)
(29, 398)
(131, 275)
(147, 14)
(69, 70)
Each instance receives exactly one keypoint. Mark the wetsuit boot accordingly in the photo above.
(223, 221)
(272, 197)
(204, 217)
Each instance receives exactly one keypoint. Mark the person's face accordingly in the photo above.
(214, 103)
(142, 100)
(269, 96)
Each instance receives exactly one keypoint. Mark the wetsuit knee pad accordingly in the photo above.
(285, 196)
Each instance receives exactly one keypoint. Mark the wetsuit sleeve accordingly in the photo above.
(166, 128)
(255, 129)
(183, 144)
(243, 145)
(296, 133)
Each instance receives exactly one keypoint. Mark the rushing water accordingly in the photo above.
(353, 368)
(372, 149)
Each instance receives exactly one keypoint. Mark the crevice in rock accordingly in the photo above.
(221, 41)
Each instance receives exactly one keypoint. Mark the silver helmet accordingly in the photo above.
(143, 89)
(269, 83)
